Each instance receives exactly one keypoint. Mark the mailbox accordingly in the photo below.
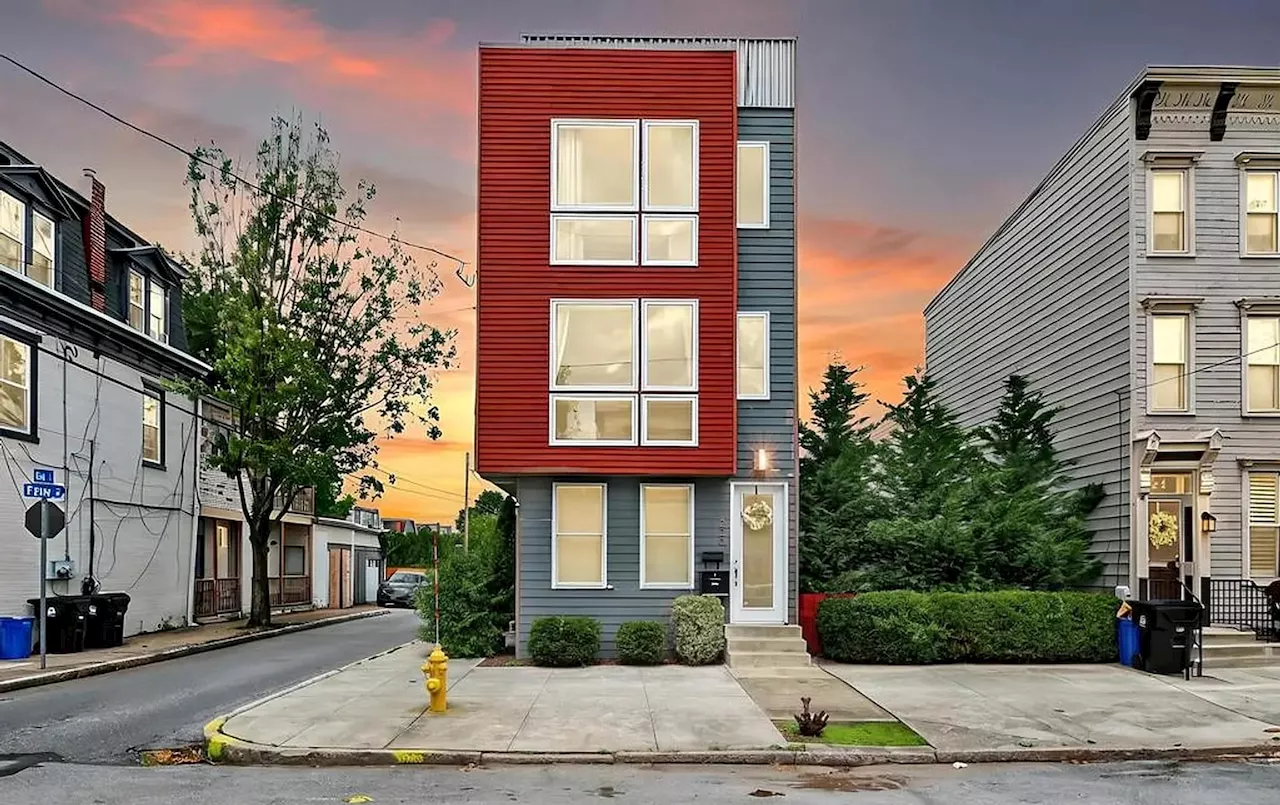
(713, 582)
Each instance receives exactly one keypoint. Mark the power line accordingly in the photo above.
(193, 156)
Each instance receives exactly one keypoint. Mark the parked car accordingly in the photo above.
(400, 589)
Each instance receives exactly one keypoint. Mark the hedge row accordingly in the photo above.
(697, 635)
(907, 628)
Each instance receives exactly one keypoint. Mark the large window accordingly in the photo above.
(753, 185)
(608, 176)
(17, 397)
(1170, 231)
(1261, 209)
(36, 262)
(753, 356)
(153, 427)
(1170, 387)
(1262, 378)
(666, 536)
(579, 541)
(601, 348)
(1264, 526)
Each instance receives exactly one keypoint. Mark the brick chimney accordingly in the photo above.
(95, 241)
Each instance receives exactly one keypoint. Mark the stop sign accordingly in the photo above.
(56, 519)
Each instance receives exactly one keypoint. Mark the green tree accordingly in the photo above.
(504, 564)
(487, 502)
(319, 345)
(330, 502)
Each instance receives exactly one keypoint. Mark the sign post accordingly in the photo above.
(44, 601)
(45, 521)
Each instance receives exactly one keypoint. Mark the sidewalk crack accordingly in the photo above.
(653, 726)
(528, 712)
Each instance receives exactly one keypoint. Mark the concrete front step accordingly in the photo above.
(767, 644)
(761, 630)
(767, 659)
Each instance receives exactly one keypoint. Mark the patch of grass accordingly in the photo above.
(858, 733)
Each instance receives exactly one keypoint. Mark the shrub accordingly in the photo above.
(642, 643)
(1003, 626)
(698, 623)
(562, 641)
(467, 627)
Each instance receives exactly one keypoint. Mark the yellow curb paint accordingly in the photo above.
(409, 757)
(215, 741)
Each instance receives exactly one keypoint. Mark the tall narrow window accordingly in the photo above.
(595, 165)
(158, 312)
(1169, 230)
(153, 427)
(1264, 526)
(1261, 210)
(671, 165)
(137, 301)
(1170, 382)
(1262, 380)
(594, 345)
(753, 185)
(13, 233)
(666, 536)
(578, 535)
(753, 356)
(17, 407)
(42, 250)
(670, 345)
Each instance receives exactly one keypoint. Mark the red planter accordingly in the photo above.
(809, 618)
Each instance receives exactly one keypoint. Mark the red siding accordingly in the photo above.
(521, 90)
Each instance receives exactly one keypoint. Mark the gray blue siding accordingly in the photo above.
(1048, 297)
(767, 282)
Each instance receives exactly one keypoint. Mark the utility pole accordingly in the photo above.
(466, 505)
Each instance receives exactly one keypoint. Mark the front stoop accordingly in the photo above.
(1230, 648)
(765, 648)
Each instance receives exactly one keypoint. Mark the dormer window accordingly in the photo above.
(148, 306)
(37, 260)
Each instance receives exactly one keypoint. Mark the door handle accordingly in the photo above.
(735, 572)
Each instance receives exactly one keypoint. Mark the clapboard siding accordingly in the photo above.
(626, 601)
(1221, 277)
(767, 282)
(1048, 297)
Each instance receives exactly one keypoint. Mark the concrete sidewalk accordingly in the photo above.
(151, 647)
(379, 704)
(1009, 709)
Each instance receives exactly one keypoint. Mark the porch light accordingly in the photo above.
(1208, 523)
(761, 463)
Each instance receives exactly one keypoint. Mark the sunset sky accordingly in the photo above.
(921, 123)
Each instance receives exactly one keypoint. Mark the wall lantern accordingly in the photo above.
(1208, 523)
(761, 463)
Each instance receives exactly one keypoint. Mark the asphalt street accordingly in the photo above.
(107, 719)
(1123, 784)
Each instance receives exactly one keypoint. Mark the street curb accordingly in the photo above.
(176, 652)
(223, 748)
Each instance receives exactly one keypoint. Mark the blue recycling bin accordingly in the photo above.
(15, 638)
(1127, 637)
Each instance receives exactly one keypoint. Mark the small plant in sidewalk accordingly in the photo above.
(698, 623)
(810, 724)
(641, 643)
(563, 641)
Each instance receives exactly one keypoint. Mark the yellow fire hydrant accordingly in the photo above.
(436, 670)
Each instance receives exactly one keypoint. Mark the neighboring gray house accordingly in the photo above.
(90, 330)
(1138, 287)
(636, 389)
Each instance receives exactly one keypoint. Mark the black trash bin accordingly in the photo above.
(66, 618)
(104, 627)
(1166, 634)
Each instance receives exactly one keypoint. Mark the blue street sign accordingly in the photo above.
(43, 476)
(44, 491)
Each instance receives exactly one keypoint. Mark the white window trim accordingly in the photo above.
(53, 245)
(1245, 315)
(22, 234)
(645, 399)
(556, 584)
(1246, 541)
(29, 381)
(1189, 372)
(635, 346)
(643, 333)
(634, 124)
(634, 259)
(1244, 213)
(768, 170)
(1188, 210)
(128, 300)
(158, 397)
(644, 164)
(644, 584)
(163, 335)
(768, 348)
(644, 240)
(554, 441)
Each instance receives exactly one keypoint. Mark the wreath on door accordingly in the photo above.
(1163, 529)
(758, 515)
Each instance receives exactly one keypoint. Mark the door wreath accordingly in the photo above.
(1163, 529)
(757, 515)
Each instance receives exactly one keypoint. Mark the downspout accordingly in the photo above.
(195, 513)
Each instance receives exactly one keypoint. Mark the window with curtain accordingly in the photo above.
(594, 345)
(1264, 526)
(42, 250)
(753, 356)
(1262, 377)
(1261, 209)
(578, 536)
(594, 240)
(137, 300)
(598, 420)
(16, 397)
(595, 165)
(753, 185)
(1169, 225)
(1170, 381)
(666, 536)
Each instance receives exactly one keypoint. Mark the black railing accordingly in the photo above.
(1241, 604)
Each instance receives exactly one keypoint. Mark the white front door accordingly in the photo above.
(370, 580)
(758, 553)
